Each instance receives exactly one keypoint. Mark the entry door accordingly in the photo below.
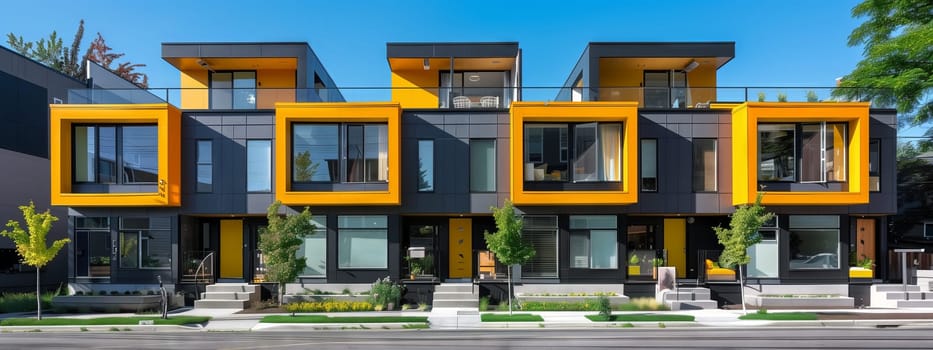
(864, 240)
(461, 248)
(231, 249)
(675, 242)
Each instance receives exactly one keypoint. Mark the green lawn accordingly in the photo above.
(342, 319)
(102, 321)
(641, 318)
(781, 316)
(511, 318)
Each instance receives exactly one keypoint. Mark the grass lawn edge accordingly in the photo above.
(104, 321)
(523, 317)
(342, 319)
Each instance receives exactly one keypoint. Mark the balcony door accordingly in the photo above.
(665, 89)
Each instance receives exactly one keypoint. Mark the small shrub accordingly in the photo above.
(127, 293)
(102, 292)
(762, 311)
(79, 293)
(812, 96)
(378, 307)
(347, 291)
(385, 291)
(422, 306)
(84, 329)
(782, 97)
(661, 325)
(113, 292)
(761, 97)
(605, 309)
(136, 292)
(405, 307)
(503, 306)
(484, 303)
(114, 329)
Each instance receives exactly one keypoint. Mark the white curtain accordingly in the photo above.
(611, 158)
(383, 140)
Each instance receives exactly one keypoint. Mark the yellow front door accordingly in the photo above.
(675, 242)
(461, 248)
(231, 248)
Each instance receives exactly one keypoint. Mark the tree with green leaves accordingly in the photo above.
(898, 63)
(31, 242)
(741, 235)
(507, 243)
(279, 243)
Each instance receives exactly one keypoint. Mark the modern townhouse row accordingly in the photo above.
(626, 165)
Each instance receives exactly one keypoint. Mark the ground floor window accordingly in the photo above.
(145, 243)
(92, 247)
(764, 254)
(813, 242)
(541, 233)
(641, 250)
(314, 249)
(362, 242)
(593, 243)
(420, 255)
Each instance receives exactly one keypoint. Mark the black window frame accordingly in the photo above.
(798, 153)
(495, 163)
(433, 166)
(570, 155)
(657, 168)
(271, 166)
(877, 172)
(118, 154)
(198, 164)
(715, 164)
(210, 85)
(342, 154)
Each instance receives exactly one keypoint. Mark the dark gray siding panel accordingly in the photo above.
(229, 132)
(451, 132)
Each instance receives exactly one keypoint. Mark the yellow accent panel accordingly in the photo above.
(461, 248)
(194, 85)
(415, 88)
(675, 242)
(344, 112)
(624, 112)
(745, 119)
(702, 84)
(166, 117)
(234, 63)
(274, 86)
(231, 248)
(619, 80)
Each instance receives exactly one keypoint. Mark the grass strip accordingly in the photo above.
(342, 319)
(102, 321)
(641, 318)
(510, 318)
(781, 316)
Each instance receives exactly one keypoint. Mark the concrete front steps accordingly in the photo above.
(688, 299)
(893, 296)
(455, 295)
(228, 296)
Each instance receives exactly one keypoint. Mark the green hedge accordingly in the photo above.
(329, 305)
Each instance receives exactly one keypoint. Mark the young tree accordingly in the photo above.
(742, 234)
(279, 242)
(897, 37)
(507, 243)
(30, 243)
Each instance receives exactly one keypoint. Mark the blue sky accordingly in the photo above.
(778, 43)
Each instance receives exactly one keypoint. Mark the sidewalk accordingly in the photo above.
(228, 320)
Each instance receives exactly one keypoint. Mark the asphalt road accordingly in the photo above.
(700, 338)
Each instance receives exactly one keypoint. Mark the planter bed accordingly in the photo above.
(613, 300)
(106, 303)
(294, 298)
(802, 301)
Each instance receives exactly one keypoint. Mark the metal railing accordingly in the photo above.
(197, 266)
(480, 98)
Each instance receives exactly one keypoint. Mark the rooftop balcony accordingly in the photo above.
(482, 98)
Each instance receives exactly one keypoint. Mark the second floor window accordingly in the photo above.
(116, 154)
(804, 152)
(340, 153)
(586, 152)
(233, 90)
(258, 165)
(205, 166)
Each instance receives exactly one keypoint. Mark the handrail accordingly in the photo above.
(201, 270)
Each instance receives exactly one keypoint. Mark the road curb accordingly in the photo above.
(284, 327)
(103, 328)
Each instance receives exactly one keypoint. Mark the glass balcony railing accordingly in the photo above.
(480, 97)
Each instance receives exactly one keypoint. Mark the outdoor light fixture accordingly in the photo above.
(473, 77)
(691, 66)
(427, 64)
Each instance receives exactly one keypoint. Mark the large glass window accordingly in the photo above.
(541, 233)
(316, 150)
(205, 166)
(258, 165)
(665, 89)
(813, 242)
(482, 165)
(764, 255)
(362, 242)
(103, 152)
(874, 165)
(820, 149)
(233, 90)
(593, 242)
(649, 165)
(92, 247)
(596, 152)
(704, 165)
(425, 165)
(474, 89)
(641, 246)
(145, 243)
(314, 249)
